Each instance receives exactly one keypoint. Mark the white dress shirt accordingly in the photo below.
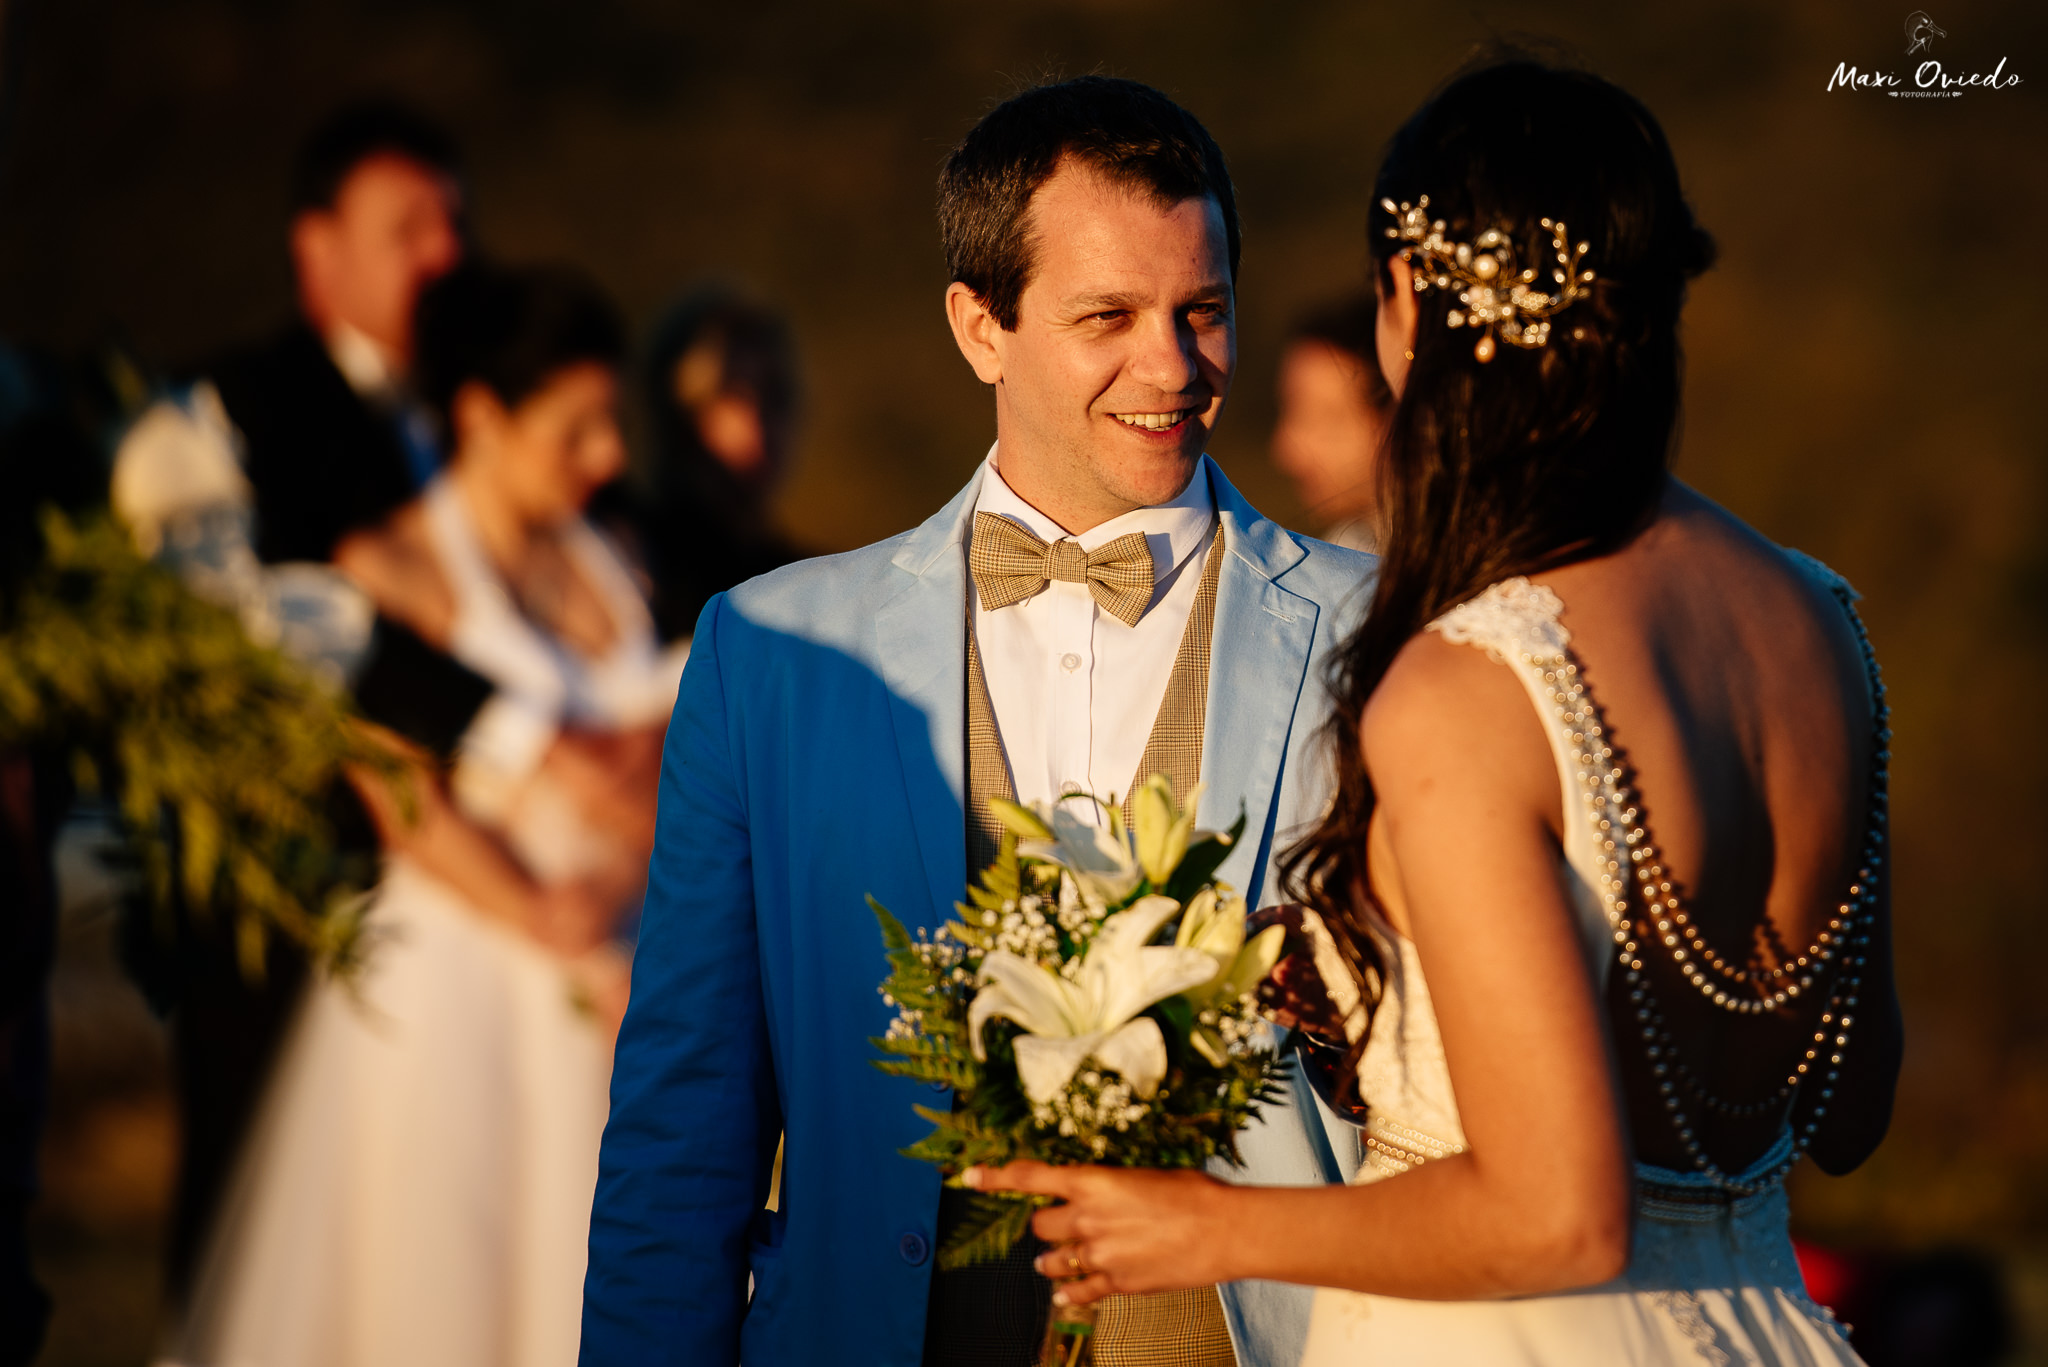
(377, 381)
(364, 363)
(1075, 691)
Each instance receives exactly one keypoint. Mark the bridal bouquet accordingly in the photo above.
(1094, 1001)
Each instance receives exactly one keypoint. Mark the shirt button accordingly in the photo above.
(913, 1248)
(1070, 662)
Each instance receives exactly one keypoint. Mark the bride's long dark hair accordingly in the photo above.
(1538, 457)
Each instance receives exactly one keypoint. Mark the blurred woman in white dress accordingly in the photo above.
(418, 1187)
(1603, 892)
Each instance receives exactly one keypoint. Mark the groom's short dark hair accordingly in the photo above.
(1129, 132)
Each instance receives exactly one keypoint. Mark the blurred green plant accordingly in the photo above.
(218, 756)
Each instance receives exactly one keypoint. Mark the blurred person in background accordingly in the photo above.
(419, 1185)
(723, 393)
(243, 481)
(1334, 405)
(324, 423)
(376, 217)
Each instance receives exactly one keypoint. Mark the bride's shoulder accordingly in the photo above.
(1443, 704)
(1699, 526)
(1437, 672)
(1720, 557)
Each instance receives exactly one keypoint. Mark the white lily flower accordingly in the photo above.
(1213, 926)
(1162, 827)
(1095, 1014)
(1252, 964)
(1216, 927)
(1099, 857)
(1019, 820)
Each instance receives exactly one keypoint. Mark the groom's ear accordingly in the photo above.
(974, 330)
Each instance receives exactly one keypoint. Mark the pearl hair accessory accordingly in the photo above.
(1499, 296)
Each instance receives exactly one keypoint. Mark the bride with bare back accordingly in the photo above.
(1602, 903)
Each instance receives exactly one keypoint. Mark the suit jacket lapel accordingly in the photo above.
(921, 655)
(1264, 638)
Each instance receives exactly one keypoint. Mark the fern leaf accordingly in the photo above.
(895, 938)
(990, 1228)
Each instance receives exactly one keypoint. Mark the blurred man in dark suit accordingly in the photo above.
(318, 419)
(333, 440)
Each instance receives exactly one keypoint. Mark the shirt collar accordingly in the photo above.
(362, 362)
(1173, 530)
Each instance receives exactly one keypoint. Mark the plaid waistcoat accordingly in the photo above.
(993, 1314)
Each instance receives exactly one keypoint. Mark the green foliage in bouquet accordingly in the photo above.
(218, 755)
(1091, 1002)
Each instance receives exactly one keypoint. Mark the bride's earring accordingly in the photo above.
(1409, 354)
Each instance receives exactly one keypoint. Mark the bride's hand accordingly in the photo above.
(603, 980)
(612, 777)
(1121, 1230)
(573, 918)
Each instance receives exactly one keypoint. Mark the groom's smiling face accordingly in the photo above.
(1125, 343)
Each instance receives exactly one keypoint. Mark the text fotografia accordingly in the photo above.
(1930, 81)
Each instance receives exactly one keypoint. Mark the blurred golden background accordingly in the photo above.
(1864, 372)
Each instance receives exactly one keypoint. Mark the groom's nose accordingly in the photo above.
(1164, 353)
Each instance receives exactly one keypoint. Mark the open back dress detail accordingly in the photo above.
(1712, 1278)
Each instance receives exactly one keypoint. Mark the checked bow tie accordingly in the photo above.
(1010, 564)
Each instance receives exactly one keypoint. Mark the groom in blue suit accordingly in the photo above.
(1096, 580)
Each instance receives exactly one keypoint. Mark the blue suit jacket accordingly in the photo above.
(816, 755)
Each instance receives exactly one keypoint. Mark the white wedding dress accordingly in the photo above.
(1711, 1278)
(416, 1189)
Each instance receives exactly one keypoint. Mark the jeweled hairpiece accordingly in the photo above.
(1499, 296)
